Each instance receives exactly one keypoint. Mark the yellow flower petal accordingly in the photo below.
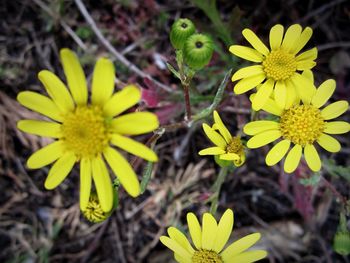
(277, 152)
(40, 104)
(291, 97)
(252, 38)
(337, 127)
(212, 151)
(74, 75)
(210, 229)
(249, 83)
(308, 74)
(248, 257)
(174, 246)
(308, 55)
(312, 158)
(122, 100)
(180, 238)
(180, 259)
(263, 94)
(293, 159)
(46, 155)
(305, 64)
(334, 109)
(270, 106)
(302, 40)
(280, 93)
(247, 72)
(102, 81)
(57, 90)
(263, 138)
(329, 143)
(229, 156)
(290, 38)
(134, 147)
(255, 127)
(221, 127)
(195, 230)
(215, 137)
(223, 231)
(135, 123)
(239, 246)
(123, 170)
(60, 170)
(103, 183)
(85, 182)
(41, 128)
(304, 87)
(323, 93)
(276, 35)
(246, 53)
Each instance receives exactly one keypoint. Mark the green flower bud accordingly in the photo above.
(198, 50)
(222, 163)
(93, 211)
(341, 243)
(180, 31)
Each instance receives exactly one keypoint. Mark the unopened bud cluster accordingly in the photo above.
(197, 48)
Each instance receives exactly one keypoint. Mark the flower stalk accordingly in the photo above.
(217, 188)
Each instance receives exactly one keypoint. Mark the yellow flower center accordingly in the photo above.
(85, 131)
(302, 124)
(279, 65)
(235, 146)
(93, 212)
(206, 256)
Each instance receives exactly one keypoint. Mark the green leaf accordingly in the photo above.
(173, 70)
(147, 172)
(311, 181)
(336, 170)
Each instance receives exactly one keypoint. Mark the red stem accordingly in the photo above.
(188, 103)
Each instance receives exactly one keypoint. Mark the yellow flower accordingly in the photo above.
(279, 65)
(93, 212)
(227, 147)
(300, 125)
(209, 241)
(84, 131)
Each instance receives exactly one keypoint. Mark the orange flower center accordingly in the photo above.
(235, 146)
(302, 124)
(85, 131)
(279, 65)
(206, 256)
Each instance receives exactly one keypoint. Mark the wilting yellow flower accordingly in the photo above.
(227, 147)
(210, 240)
(279, 65)
(300, 125)
(84, 131)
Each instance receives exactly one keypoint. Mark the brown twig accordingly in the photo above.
(65, 26)
(320, 10)
(333, 45)
(111, 49)
(94, 244)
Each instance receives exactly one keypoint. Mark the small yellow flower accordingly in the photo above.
(93, 212)
(279, 65)
(227, 147)
(84, 131)
(210, 240)
(300, 125)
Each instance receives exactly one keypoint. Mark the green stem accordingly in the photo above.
(218, 97)
(216, 189)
